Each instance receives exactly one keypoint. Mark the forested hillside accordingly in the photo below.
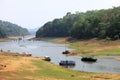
(10, 29)
(2, 33)
(104, 24)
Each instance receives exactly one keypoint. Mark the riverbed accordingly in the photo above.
(43, 48)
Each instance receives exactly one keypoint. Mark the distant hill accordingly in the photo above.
(10, 29)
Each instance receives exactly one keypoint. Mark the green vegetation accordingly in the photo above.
(96, 47)
(9, 29)
(29, 68)
(103, 24)
(57, 72)
(2, 33)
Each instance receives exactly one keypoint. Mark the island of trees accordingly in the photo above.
(102, 24)
(10, 29)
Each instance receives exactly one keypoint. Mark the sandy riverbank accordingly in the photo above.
(15, 38)
(14, 66)
(31, 68)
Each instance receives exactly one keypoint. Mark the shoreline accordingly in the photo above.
(92, 47)
(15, 38)
(4, 53)
(34, 68)
(65, 40)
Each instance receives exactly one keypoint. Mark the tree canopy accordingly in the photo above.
(10, 29)
(2, 33)
(104, 24)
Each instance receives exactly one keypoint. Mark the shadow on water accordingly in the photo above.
(68, 66)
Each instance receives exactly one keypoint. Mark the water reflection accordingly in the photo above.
(68, 66)
(89, 62)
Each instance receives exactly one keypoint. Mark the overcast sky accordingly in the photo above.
(34, 13)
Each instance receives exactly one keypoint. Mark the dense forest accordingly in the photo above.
(10, 29)
(102, 24)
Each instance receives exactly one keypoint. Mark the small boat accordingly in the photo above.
(89, 59)
(66, 62)
(66, 52)
(47, 58)
(19, 38)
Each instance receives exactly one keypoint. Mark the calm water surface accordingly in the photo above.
(42, 48)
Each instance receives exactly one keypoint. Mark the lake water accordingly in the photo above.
(43, 48)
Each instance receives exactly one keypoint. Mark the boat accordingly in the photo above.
(66, 62)
(89, 59)
(47, 58)
(66, 52)
(19, 38)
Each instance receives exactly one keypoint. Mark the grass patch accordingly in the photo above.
(96, 47)
(91, 47)
(114, 52)
(49, 70)
(36, 69)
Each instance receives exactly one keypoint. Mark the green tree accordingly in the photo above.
(113, 31)
(91, 24)
(11, 29)
(2, 33)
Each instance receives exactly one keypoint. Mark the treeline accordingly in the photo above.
(10, 29)
(2, 34)
(103, 24)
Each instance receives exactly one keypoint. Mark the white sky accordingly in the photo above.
(34, 13)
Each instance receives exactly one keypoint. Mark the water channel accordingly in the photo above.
(43, 48)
